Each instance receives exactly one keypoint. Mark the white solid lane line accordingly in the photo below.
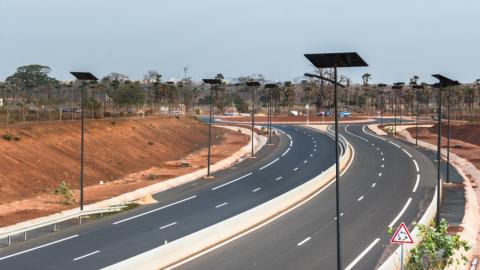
(401, 212)
(257, 189)
(291, 143)
(284, 153)
(361, 198)
(416, 184)
(359, 257)
(416, 165)
(220, 205)
(398, 146)
(269, 164)
(168, 225)
(233, 181)
(346, 130)
(304, 241)
(406, 152)
(86, 255)
(278, 178)
(368, 133)
(35, 248)
(154, 210)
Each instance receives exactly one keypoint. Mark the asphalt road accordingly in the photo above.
(297, 158)
(389, 182)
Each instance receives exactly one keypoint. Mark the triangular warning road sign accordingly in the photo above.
(402, 235)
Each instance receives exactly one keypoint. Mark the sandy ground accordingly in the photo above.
(126, 155)
(465, 135)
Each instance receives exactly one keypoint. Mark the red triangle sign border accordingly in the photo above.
(408, 241)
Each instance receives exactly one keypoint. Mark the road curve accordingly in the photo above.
(387, 183)
(300, 155)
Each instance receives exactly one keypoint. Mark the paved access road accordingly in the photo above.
(387, 183)
(299, 155)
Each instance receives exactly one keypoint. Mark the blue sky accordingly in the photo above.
(241, 37)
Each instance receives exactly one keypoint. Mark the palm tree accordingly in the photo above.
(365, 78)
(414, 79)
(289, 94)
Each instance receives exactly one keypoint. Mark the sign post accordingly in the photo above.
(307, 107)
(402, 236)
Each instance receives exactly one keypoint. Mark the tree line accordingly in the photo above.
(31, 89)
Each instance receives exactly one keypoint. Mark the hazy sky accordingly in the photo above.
(241, 37)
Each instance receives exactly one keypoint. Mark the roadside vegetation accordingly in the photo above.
(31, 94)
(436, 248)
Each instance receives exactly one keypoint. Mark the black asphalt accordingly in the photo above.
(306, 237)
(179, 212)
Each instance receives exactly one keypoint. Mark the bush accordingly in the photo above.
(436, 249)
(7, 136)
(151, 176)
(63, 189)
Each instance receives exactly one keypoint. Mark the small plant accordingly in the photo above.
(151, 176)
(7, 136)
(16, 138)
(63, 189)
(436, 249)
(113, 122)
(150, 143)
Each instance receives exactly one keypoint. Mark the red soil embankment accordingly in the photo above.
(47, 154)
(468, 133)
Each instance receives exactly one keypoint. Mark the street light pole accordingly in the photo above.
(83, 77)
(253, 84)
(417, 87)
(211, 82)
(444, 82)
(270, 87)
(336, 60)
(448, 136)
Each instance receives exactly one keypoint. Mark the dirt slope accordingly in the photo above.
(47, 154)
(468, 133)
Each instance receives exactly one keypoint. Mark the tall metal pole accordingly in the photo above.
(448, 136)
(337, 175)
(253, 115)
(210, 130)
(270, 115)
(81, 151)
(416, 125)
(439, 157)
(395, 115)
(383, 107)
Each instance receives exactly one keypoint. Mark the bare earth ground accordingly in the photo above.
(465, 135)
(125, 155)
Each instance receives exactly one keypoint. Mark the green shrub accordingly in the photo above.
(436, 249)
(151, 176)
(7, 136)
(63, 190)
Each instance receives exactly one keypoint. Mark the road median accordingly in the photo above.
(187, 248)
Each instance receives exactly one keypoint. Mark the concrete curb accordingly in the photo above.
(471, 218)
(153, 189)
(186, 248)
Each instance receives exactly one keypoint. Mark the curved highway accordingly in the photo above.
(387, 183)
(299, 155)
